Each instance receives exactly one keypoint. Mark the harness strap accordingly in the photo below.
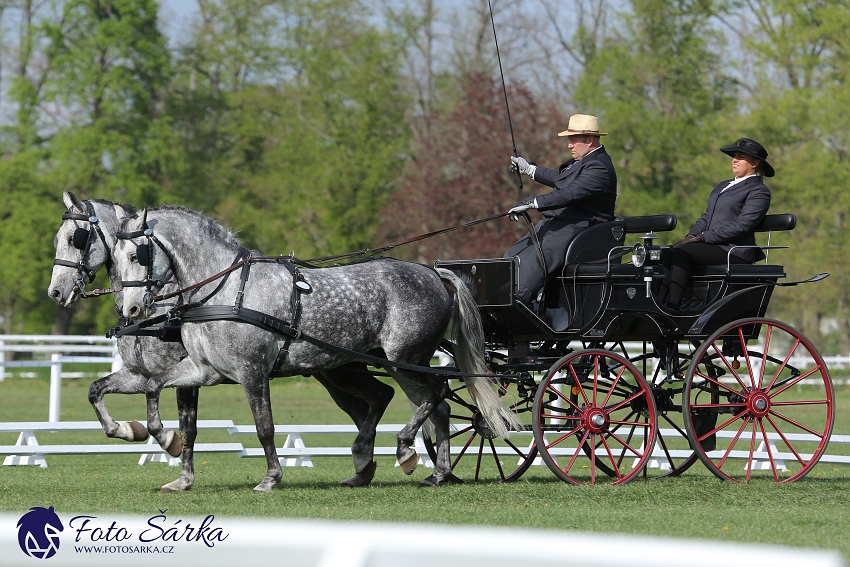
(225, 273)
(80, 266)
(279, 326)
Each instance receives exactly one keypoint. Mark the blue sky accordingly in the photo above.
(175, 14)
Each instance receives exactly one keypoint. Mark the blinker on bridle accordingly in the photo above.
(82, 240)
(144, 256)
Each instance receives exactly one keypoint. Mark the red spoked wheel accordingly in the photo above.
(766, 395)
(594, 418)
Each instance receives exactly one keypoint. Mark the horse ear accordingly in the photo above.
(120, 213)
(72, 202)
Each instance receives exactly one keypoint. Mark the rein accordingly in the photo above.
(310, 263)
(387, 247)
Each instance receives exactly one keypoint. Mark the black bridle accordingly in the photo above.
(144, 256)
(82, 241)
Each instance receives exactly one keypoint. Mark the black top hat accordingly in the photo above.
(753, 148)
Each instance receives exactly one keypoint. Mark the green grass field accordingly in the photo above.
(811, 513)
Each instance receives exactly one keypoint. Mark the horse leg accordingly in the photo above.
(428, 394)
(442, 466)
(256, 389)
(187, 409)
(123, 381)
(168, 440)
(353, 392)
(184, 374)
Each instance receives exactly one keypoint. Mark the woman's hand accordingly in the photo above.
(688, 239)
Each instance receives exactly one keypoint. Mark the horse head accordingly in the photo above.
(143, 268)
(83, 244)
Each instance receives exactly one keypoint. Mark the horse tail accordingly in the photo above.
(468, 337)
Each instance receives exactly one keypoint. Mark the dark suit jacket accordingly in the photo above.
(732, 216)
(585, 190)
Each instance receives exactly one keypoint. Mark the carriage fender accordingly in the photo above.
(734, 306)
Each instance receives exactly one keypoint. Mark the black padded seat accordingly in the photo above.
(595, 242)
(783, 221)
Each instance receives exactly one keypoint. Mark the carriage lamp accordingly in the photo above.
(652, 250)
(638, 255)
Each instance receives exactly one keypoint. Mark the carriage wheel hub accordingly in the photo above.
(596, 421)
(759, 404)
(481, 427)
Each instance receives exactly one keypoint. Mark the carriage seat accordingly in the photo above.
(595, 242)
(784, 221)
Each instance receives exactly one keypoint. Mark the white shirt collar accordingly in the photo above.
(590, 152)
(736, 181)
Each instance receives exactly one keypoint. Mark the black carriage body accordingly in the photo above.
(609, 380)
(598, 298)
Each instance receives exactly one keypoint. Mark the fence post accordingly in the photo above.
(117, 361)
(2, 359)
(55, 387)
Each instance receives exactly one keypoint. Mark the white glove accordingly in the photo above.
(521, 207)
(521, 164)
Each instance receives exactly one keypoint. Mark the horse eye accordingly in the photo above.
(133, 258)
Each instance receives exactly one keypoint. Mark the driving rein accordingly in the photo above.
(198, 312)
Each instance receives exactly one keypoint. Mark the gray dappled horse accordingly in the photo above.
(384, 307)
(74, 267)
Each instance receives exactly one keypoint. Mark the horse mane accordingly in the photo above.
(210, 227)
(131, 210)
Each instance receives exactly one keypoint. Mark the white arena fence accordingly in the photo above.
(54, 350)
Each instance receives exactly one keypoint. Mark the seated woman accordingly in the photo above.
(735, 208)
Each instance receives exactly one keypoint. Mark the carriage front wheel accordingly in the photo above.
(758, 401)
(594, 408)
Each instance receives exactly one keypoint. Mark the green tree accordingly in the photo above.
(109, 68)
(296, 141)
(29, 215)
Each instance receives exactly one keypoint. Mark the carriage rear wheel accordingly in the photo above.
(767, 396)
(592, 407)
(664, 370)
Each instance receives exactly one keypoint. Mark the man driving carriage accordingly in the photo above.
(585, 191)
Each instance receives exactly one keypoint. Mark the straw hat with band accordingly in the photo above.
(582, 124)
(753, 148)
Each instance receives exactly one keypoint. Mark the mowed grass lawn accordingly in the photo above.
(810, 513)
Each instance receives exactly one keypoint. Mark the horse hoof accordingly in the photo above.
(409, 464)
(178, 485)
(175, 444)
(363, 478)
(429, 482)
(263, 488)
(138, 430)
(453, 479)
